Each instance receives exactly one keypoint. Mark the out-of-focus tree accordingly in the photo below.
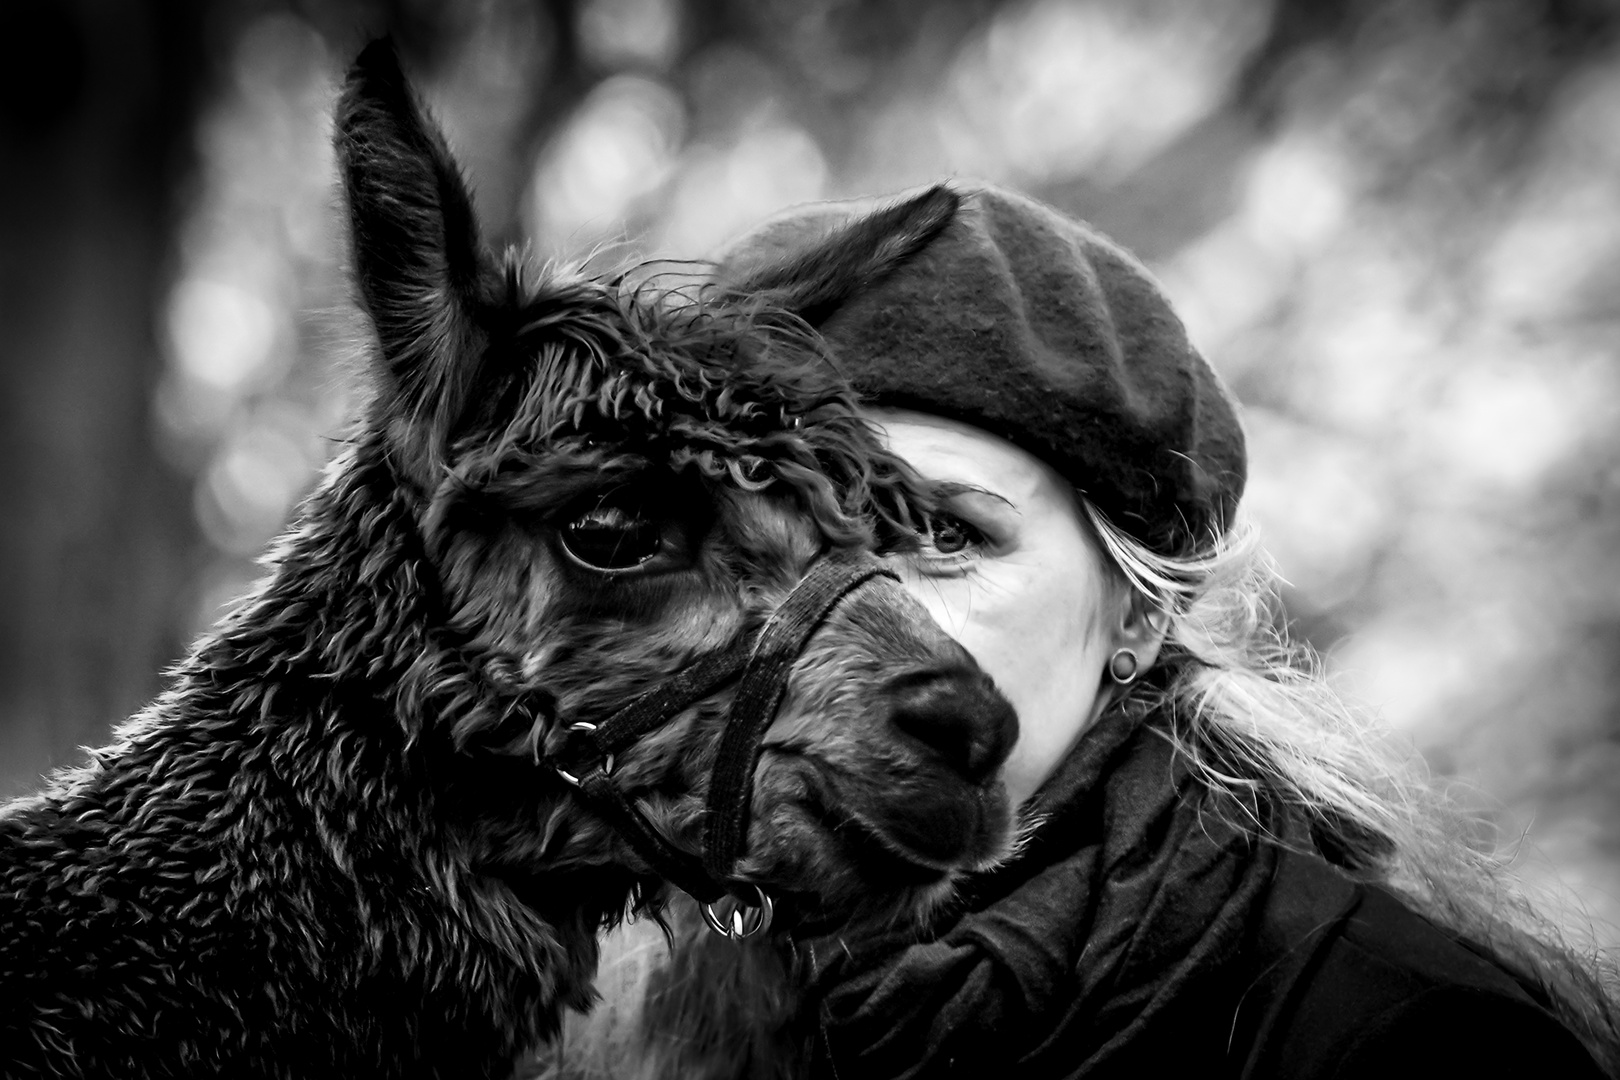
(96, 109)
(1393, 224)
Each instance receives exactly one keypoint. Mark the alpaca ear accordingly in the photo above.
(418, 261)
(814, 259)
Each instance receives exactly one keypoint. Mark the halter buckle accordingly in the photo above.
(740, 920)
(582, 727)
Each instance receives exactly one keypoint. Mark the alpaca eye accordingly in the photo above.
(613, 538)
(643, 528)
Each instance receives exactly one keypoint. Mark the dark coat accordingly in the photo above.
(1334, 980)
(1353, 984)
(1144, 931)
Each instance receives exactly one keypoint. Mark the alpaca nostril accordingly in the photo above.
(957, 712)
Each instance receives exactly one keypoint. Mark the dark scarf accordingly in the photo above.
(1112, 944)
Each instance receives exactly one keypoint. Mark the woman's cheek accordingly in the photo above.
(1017, 631)
(1023, 629)
(1052, 625)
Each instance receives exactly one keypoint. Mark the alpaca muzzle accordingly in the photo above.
(761, 666)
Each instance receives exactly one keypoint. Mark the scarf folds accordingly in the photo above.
(1103, 949)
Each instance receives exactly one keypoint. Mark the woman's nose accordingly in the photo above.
(957, 712)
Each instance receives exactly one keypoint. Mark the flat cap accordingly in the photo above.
(981, 305)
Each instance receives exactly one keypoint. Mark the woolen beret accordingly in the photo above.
(980, 305)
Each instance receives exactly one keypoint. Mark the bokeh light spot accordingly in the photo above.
(774, 165)
(220, 334)
(250, 487)
(619, 146)
(615, 33)
(1063, 87)
(1322, 502)
(1295, 196)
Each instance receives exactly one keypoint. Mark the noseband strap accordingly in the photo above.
(762, 665)
(759, 694)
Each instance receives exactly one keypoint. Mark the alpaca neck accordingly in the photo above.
(258, 866)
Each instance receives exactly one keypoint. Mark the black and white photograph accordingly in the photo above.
(810, 539)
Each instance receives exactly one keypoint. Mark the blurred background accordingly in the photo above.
(1394, 225)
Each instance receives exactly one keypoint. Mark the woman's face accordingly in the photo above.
(1015, 576)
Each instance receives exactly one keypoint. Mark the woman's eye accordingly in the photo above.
(609, 537)
(949, 535)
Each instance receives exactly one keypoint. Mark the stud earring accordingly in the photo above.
(1123, 667)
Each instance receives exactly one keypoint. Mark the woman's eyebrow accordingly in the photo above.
(950, 489)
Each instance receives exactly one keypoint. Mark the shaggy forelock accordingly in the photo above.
(586, 382)
(588, 379)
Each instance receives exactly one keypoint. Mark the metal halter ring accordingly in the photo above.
(607, 763)
(744, 921)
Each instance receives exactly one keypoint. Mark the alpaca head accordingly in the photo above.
(612, 480)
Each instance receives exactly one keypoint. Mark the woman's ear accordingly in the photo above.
(1140, 626)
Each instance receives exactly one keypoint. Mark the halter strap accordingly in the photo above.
(759, 693)
(686, 872)
(657, 706)
(764, 663)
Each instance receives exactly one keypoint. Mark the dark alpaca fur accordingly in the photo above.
(328, 848)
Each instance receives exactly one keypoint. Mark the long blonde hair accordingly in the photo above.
(1252, 709)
